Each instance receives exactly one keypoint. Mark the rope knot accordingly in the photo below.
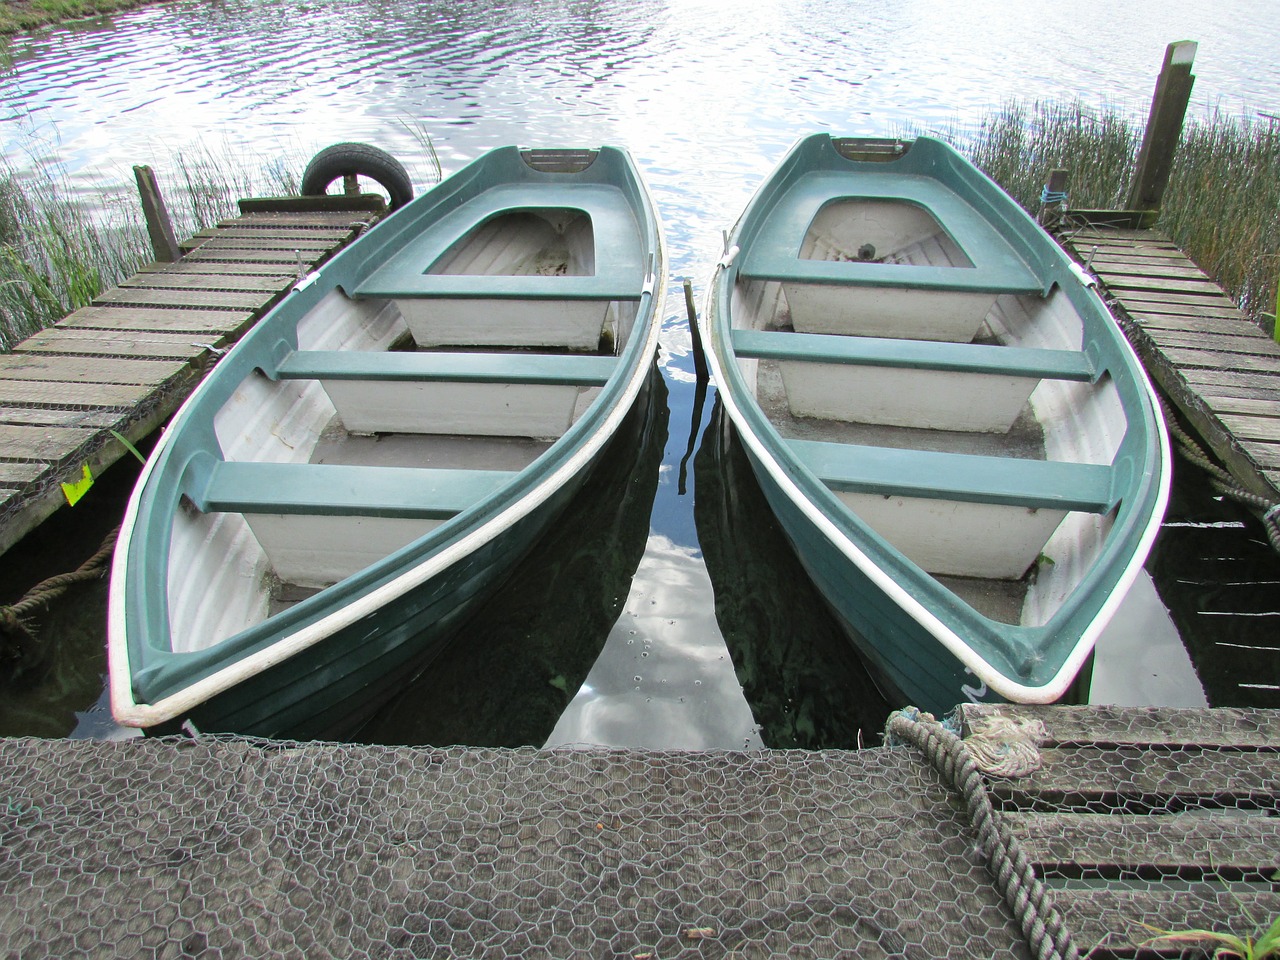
(1006, 746)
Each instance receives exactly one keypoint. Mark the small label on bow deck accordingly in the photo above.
(74, 491)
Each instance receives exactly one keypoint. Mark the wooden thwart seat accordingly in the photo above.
(915, 354)
(341, 490)
(1007, 481)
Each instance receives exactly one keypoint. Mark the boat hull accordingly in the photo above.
(336, 499)
(335, 685)
(953, 432)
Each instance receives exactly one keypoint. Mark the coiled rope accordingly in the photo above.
(1220, 479)
(17, 642)
(1048, 196)
(1041, 924)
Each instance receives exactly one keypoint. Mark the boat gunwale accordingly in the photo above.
(1142, 489)
(261, 646)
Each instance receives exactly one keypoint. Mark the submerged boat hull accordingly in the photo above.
(948, 424)
(373, 460)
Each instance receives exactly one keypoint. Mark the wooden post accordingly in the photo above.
(1052, 199)
(1164, 127)
(699, 358)
(159, 227)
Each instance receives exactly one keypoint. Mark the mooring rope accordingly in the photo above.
(21, 642)
(1220, 479)
(1041, 924)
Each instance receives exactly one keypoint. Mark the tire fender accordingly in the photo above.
(348, 159)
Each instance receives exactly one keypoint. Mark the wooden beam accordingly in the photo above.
(1164, 127)
(163, 242)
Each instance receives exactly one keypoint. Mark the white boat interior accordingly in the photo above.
(963, 422)
(392, 414)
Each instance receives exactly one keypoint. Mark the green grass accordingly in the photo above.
(1222, 205)
(19, 15)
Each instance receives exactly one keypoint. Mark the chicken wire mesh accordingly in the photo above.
(223, 846)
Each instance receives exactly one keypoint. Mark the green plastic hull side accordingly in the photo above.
(290, 695)
(908, 653)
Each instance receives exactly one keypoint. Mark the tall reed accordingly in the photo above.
(57, 254)
(54, 256)
(1222, 205)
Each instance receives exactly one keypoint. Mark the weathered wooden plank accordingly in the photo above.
(1124, 282)
(18, 475)
(1265, 455)
(57, 369)
(203, 255)
(318, 219)
(334, 234)
(1213, 360)
(1163, 780)
(1155, 301)
(1153, 324)
(157, 319)
(75, 395)
(1171, 270)
(43, 417)
(1222, 842)
(1118, 256)
(147, 345)
(1244, 343)
(1114, 916)
(218, 268)
(1211, 383)
(42, 444)
(1088, 253)
(1156, 313)
(1266, 429)
(228, 300)
(273, 282)
(1244, 405)
(1142, 726)
(266, 243)
(1123, 235)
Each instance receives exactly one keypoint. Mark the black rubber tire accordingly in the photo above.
(344, 159)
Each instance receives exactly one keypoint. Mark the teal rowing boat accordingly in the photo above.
(947, 421)
(369, 464)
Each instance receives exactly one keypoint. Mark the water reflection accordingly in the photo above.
(805, 683)
(664, 679)
(508, 675)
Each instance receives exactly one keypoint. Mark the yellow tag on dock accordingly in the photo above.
(74, 491)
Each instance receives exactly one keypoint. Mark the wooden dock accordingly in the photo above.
(1150, 815)
(1218, 367)
(124, 364)
(219, 845)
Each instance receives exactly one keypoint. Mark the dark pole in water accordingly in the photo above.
(699, 358)
(1164, 127)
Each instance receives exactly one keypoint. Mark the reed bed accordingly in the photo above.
(1222, 205)
(57, 254)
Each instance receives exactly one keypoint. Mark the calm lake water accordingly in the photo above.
(671, 612)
